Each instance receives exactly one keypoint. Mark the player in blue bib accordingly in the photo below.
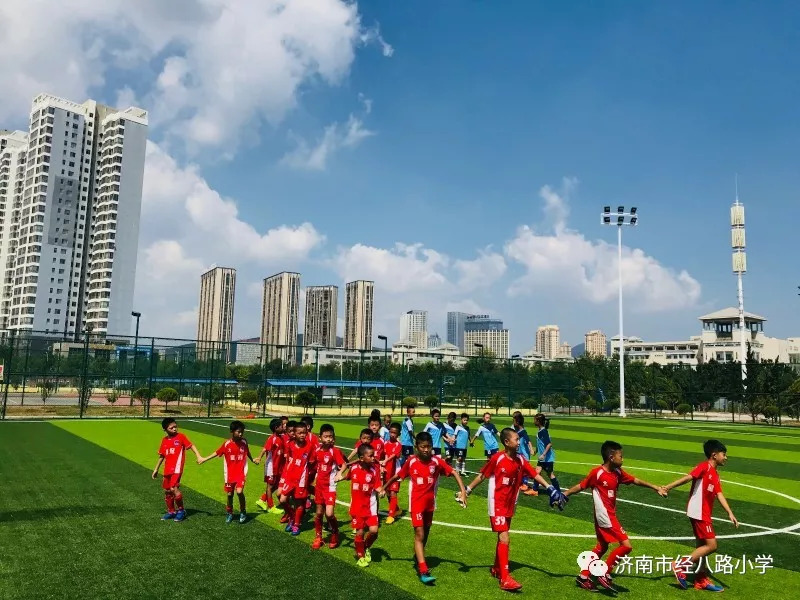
(488, 432)
(407, 436)
(436, 428)
(544, 447)
(462, 441)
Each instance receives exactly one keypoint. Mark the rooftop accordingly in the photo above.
(730, 313)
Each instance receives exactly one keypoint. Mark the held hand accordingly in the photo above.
(199, 460)
(662, 491)
(472, 444)
(381, 492)
(155, 474)
(733, 520)
(540, 458)
(257, 460)
(463, 502)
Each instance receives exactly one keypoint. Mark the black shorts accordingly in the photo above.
(461, 453)
(449, 452)
(490, 453)
(437, 451)
(547, 467)
(408, 450)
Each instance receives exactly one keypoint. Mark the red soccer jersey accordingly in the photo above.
(392, 450)
(173, 449)
(423, 481)
(505, 478)
(363, 483)
(377, 445)
(235, 455)
(313, 439)
(705, 487)
(298, 460)
(275, 455)
(329, 463)
(604, 486)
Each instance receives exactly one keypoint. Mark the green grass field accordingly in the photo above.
(79, 517)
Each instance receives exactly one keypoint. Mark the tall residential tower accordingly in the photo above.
(215, 316)
(321, 315)
(358, 315)
(279, 310)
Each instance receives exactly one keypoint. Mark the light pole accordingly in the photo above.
(620, 219)
(739, 269)
(137, 316)
(510, 373)
(385, 366)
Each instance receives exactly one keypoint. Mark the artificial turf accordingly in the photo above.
(80, 518)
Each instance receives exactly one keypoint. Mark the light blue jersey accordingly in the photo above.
(383, 432)
(462, 437)
(435, 429)
(542, 440)
(449, 431)
(488, 432)
(407, 432)
(524, 444)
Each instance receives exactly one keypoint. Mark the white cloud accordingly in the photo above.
(564, 261)
(481, 272)
(336, 137)
(222, 68)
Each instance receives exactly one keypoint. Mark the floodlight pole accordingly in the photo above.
(621, 337)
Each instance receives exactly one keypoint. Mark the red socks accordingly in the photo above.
(169, 498)
(229, 509)
(502, 559)
(179, 501)
(298, 514)
(318, 525)
(393, 505)
(423, 567)
(334, 525)
(359, 544)
(370, 539)
(269, 501)
(616, 553)
(264, 497)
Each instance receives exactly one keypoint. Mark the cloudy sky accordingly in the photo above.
(457, 153)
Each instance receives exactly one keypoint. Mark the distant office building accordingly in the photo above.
(358, 315)
(455, 329)
(247, 351)
(484, 334)
(279, 313)
(434, 340)
(321, 315)
(414, 328)
(215, 315)
(564, 351)
(547, 341)
(595, 343)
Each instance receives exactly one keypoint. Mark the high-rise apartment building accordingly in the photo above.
(358, 315)
(74, 229)
(414, 328)
(455, 328)
(595, 343)
(434, 340)
(13, 152)
(215, 315)
(547, 341)
(564, 350)
(279, 312)
(321, 314)
(485, 335)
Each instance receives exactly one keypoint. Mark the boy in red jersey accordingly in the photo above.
(705, 488)
(393, 450)
(295, 484)
(172, 453)
(423, 470)
(329, 460)
(312, 439)
(368, 437)
(236, 453)
(274, 450)
(365, 479)
(505, 471)
(604, 482)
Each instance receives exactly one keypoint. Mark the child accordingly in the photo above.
(172, 454)
(436, 429)
(368, 437)
(374, 425)
(544, 449)
(329, 460)
(462, 439)
(423, 470)
(384, 431)
(274, 449)
(605, 481)
(705, 487)
(450, 438)
(365, 480)
(525, 450)
(407, 434)
(313, 439)
(488, 432)
(393, 450)
(236, 453)
(285, 427)
(505, 471)
(294, 485)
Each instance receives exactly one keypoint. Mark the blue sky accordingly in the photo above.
(458, 153)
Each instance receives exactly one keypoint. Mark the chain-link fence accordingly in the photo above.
(90, 375)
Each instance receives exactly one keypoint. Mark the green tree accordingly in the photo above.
(305, 399)
(496, 402)
(683, 409)
(112, 397)
(249, 397)
(591, 404)
(662, 405)
(374, 396)
(409, 401)
(167, 395)
(529, 404)
(431, 401)
(46, 388)
(770, 412)
(143, 395)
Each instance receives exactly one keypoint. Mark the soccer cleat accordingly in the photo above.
(680, 576)
(288, 527)
(389, 520)
(362, 562)
(530, 492)
(585, 583)
(509, 584)
(295, 531)
(605, 581)
(333, 541)
(494, 573)
(262, 505)
(427, 578)
(285, 518)
(274, 510)
(242, 517)
(317, 543)
(180, 516)
(229, 518)
(168, 516)
(706, 584)
(524, 487)
(368, 555)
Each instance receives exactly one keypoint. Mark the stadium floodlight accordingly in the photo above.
(623, 219)
(739, 248)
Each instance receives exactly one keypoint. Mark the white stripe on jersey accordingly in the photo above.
(268, 470)
(600, 512)
(373, 504)
(410, 491)
(225, 469)
(694, 509)
(491, 495)
(178, 465)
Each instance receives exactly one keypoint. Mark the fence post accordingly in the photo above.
(150, 378)
(210, 384)
(25, 373)
(84, 378)
(7, 373)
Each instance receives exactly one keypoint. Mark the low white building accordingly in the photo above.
(327, 356)
(405, 353)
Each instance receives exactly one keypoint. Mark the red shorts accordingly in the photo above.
(171, 481)
(703, 530)
(363, 522)
(421, 519)
(271, 481)
(610, 535)
(324, 497)
(291, 488)
(500, 524)
(230, 486)
(394, 487)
